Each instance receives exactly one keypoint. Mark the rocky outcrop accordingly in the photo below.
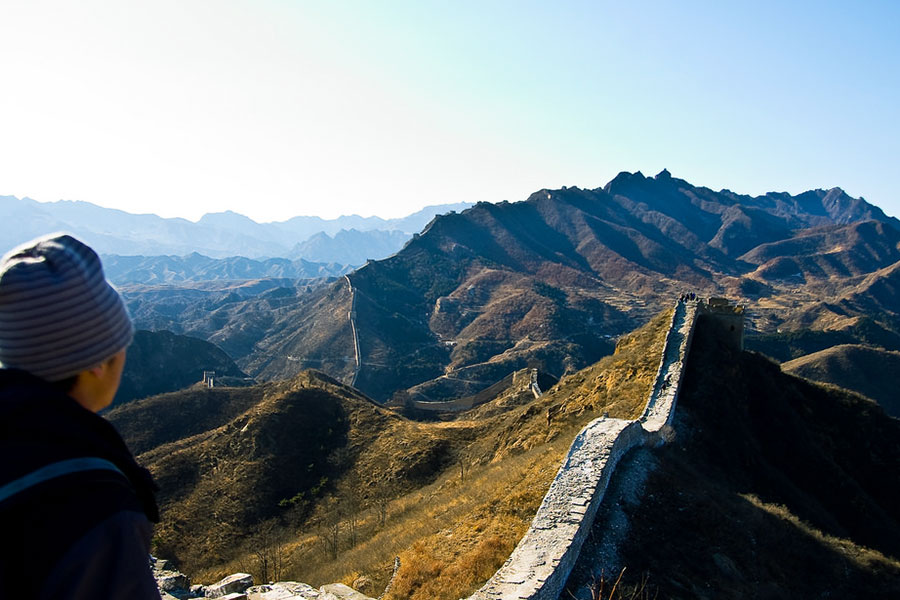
(174, 585)
(283, 590)
(233, 584)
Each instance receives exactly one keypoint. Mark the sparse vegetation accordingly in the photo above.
(603, 588)
(774, 486)
(394, 487)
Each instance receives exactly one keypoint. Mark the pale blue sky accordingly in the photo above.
(280, 108)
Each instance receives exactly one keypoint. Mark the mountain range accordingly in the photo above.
(329, 471)
(549, 283)
(217, 235)
(197, 268)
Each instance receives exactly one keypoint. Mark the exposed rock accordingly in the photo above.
(172, 581)
(161, 564)
(339, 591)
(283, 590)
(236, 583)
(362, 584)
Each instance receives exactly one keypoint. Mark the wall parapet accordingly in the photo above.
(538, 567)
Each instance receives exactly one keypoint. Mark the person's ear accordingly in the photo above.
(100, 369)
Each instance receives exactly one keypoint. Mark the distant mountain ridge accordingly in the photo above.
(217, 235)
(351, 247)
(545, 283)
(870, 371)
(161, 361)
(549, 282)
(194, 267)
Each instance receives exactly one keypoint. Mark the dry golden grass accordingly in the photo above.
(866, 558)
(498, 461)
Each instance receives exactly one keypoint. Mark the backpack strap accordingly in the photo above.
(54, 470)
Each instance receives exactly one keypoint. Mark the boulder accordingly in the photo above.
(339, 591)
(283, 590)
(171, 581)
(236, 583)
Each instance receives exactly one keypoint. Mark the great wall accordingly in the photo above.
(541, 563)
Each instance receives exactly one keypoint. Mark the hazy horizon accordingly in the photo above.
(276, 109)
(400, 216)
(226, 211)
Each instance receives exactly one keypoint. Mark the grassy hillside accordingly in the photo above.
(774, 487)
(311, 476)
(788, 345)
(872, 372)
(162, 361)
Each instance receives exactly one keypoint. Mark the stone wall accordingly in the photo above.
(538, 567)
(731, 316)
(661, 406)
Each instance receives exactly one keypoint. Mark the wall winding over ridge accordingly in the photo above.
(539, 566)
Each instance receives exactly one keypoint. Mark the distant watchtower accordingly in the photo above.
(209, 378)
(731, 316)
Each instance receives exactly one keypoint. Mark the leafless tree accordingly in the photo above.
(384, 494)
(269, 551)
(329, 529)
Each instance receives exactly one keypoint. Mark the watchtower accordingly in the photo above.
(731, 316)
(209, 378)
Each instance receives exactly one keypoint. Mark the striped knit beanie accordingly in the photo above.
(58, 314)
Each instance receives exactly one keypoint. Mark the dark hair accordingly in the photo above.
(65, 385)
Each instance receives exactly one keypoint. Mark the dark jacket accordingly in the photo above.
(75, 508)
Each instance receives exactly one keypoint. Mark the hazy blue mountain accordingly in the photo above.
(305, 227)
(111, 231)
(195, 267)
(217, 235)
(351, 247)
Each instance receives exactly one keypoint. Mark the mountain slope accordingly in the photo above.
(773, 487)
(872, 372)
(350, 247)
(546, 283)
(161, 361)
(290, 456)
(223, 471)
(834, 251)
